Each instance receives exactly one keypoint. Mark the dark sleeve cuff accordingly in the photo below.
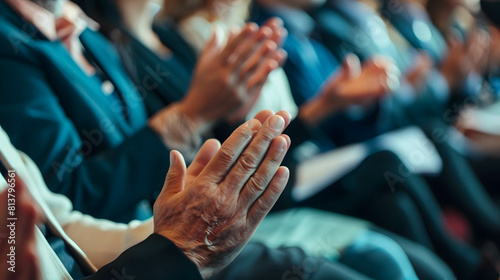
(154, 258)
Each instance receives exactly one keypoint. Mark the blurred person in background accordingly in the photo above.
(462, 185)
(303, 39)
(409, 15)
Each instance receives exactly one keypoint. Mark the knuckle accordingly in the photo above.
(263, 204)
(249, 161)
(244, 133)
(268, 135)
(275, 159)
(226, 155)
(257, 183)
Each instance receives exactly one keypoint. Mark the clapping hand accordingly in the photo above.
(211, 209)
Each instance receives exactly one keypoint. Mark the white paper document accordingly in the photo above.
(410, 144)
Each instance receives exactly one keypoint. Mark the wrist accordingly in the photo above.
(194, 251)
(187, 249)
(191, 114)
(179, 131)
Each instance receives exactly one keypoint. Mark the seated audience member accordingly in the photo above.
(460, 66)
(302, 39)
(474, 202)
(67, 102)
(457, 179)
(81, 243)
(315, 74)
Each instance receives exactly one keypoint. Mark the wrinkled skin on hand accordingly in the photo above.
(28, 214)
(211, 210)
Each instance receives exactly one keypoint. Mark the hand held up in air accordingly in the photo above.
(354, 84)
(211, 209)
(231, 78)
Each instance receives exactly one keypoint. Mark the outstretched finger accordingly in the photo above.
(220, 165)
(265, 51)
(251, 158)
(279, 32)
(203, 157)
(266, 201)
(259, 181)
(246, 34)
(263, 115)
(259, 76)
(246, 50)
(210, 49)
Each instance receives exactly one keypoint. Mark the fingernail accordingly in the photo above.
(280, 145)
(278, 21)
(254, 124)
(288, 140)
(172, 158)
(277, 123)
(285, 173)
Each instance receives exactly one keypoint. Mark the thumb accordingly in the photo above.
(176, 176)
(210, 48)
(351, 66)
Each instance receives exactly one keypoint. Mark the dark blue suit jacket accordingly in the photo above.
(93, 148)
